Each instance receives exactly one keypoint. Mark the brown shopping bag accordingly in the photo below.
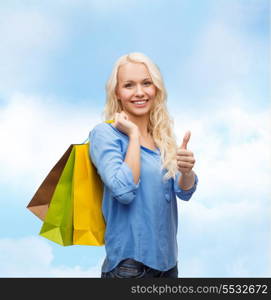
(40, 202)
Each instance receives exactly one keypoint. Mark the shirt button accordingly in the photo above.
(167, 196)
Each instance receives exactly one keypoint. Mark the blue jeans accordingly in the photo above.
(130, 268)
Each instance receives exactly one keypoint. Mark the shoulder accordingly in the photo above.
(100, 127)
(106, 130)
(104, 136)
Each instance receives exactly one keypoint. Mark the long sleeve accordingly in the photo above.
(184, 194)
(106, 155)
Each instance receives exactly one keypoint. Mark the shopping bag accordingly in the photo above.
(58, 222)
(88, 221)
(72, 187)
(40, 202)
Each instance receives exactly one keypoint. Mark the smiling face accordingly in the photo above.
(135, 89)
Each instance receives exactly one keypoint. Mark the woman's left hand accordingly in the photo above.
(185, 158)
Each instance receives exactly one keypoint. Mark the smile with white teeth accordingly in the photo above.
(140, 102)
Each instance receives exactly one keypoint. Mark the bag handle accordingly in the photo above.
(108, 121)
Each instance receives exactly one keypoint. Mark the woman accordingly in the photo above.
(142, 170)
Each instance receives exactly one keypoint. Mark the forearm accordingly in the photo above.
(186, 181)
(132, 157)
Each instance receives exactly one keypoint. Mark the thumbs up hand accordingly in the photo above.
(185, 158)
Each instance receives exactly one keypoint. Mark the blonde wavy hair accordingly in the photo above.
(160, 123)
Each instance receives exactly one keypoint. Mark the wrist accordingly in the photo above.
(186, 182)
(188, 174)
(134, 134)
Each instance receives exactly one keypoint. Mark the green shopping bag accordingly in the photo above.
(58, 222)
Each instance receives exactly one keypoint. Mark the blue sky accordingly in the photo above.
(55, 57)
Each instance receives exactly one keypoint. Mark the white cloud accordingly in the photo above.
(240, 267)
(225, 55)
(228, 239)
(222, 216)
(232, 150)
(35, 132)
(238, 13)
(205, 265)
(33, 257)
(28, 38)
(219, 55)
(99, 6)
(229, 214)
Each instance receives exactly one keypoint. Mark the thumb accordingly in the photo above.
(186, 139)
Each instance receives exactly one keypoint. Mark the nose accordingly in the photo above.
(139, 91)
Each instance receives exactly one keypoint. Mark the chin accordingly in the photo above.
(140, 113)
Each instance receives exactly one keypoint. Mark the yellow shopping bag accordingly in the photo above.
(69, 201)
(88, 221)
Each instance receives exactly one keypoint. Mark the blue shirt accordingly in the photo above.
(141, 219)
